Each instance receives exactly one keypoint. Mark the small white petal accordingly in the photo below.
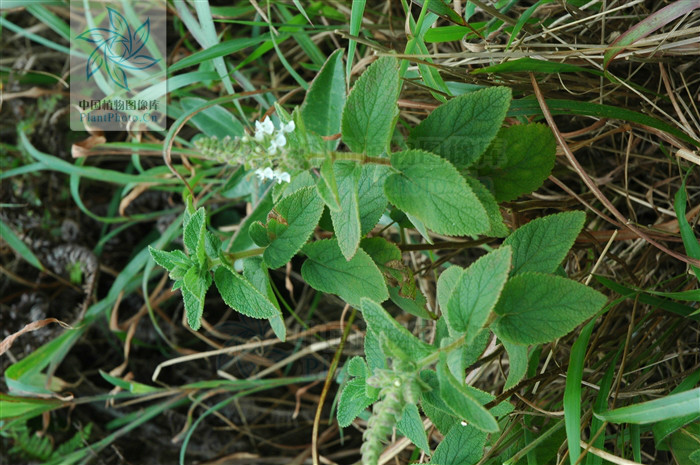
(260, 173)
(268, 173)
(463, 423)
(272, 149)
(289, 127)
(267, 126)
(283, 177)
(279, 140)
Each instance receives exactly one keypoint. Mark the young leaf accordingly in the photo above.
(327, 270)
(430, 188)
(169, 260)
(239, 294)
(346, 221)
(323, 105)
(477, 292)
(462, 403)
(379, 321)
(300, 213)
(461, 129)
(194, 231)
(411, 426)
(353, 399)
(542, 244)
(518, 160)
(373, 351)
(535, 308)
(194, 308)
(370, 111)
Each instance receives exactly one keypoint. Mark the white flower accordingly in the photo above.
(284, 176)
(289, 127)
(266, 173)
(279, 140)
(264, 128)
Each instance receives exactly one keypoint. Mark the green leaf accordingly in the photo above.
(169, 260)
(327, 186)
(370, 194)
(685, 445)
(461, 129)
(239, 294)
(411, 426)
(461, 401)
(381, 323)
(447, 282)
(664, 428)
(477, 292)
(346, 221)
(353, 401)
(256, 273)
(197, 281)
(327, 270)
(373, 351)
(323, 105)
(370, 111)
(430, 188)
(543, 243)
(488, 201)
(258, 233)
(9, 236)
(194, 231)
(518, 160)
(194, 308)
(462, 445)
(300, 213)
(535, 308)
(670, 406)
(517, 363)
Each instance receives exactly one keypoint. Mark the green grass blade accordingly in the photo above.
(523, 19)
(50, 19)
(529, 107)
(358, 10)
(16, 244)
(221, 49)
(691, 243)
(671, 406)
(572, 392)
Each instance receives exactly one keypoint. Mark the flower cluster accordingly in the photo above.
(266, 151)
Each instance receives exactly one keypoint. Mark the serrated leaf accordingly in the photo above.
(258, 233)
(194, 308)
(370, 194)
(373, 351)
(381, 323)
(496, 226)
(518, 160)
(239, 294)
(323, 105)
(256, 273)
(346, 221)
(301, 212)
(353, 400)
(543, 243)
(168, 260)
(194, 231)
(477, 292)
(411, 426)
(430, 188)
(327, 270)
(197, 281)
(447, 282)
(357, 367)
(462, 403)
(462, 445)
(461, 129)
(327, 186)
(535, 308)
(369, 113)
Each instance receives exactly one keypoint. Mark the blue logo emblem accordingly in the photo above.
(118, 48)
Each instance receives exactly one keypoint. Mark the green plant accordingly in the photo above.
(456, 165)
